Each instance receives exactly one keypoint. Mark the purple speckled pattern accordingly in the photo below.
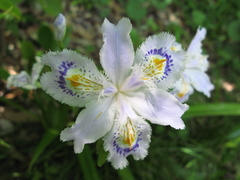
(62, 69)
(125, 151)
(162, 52)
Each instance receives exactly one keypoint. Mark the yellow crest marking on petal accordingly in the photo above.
(129, 135)
(98, 116)
(184, 90)
(180, 95)
(159, 63)
(78, 82)
(155, 67)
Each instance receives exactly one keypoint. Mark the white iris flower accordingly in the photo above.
(117, 102)
(24, 80)
(194, 76)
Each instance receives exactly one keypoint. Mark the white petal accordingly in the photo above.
(200, 81)
(159, 60)
(92, 123)
(195, 46)
(160, 107)
(18, 80)
(182, 89)
(132, 138)
(74, 80)
(117, 51)
(197, 61)
(176, 46)
(133, 82)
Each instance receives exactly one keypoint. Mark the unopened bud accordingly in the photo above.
(59, 27)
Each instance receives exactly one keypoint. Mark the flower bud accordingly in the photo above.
(59, 27)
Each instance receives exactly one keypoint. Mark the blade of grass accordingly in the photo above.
(48, 137)
(126, 174)
(102, 154)
(87, 165)
(214, 109)
(3, 143)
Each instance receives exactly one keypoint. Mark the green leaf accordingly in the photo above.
(233, 143)
(51, 7)
(16, 1)
(192, 152)
(135, 10)
(87, 164)
(233, 30)
(136, 38)
(48, 137)
(46, 38)
(198, 17)
(3, 73)
(10, 8)
(28, 52)
(126, 174)
(3, 143)
(161, 4)
(234, 134)
(214, 109)
(102, 154)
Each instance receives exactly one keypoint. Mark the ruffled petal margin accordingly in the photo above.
(160, 61)
(74, 80)
(132, 138)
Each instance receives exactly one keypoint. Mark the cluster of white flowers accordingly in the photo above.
(194, 76)
(133, 88)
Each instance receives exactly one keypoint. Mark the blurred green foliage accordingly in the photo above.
(207, 149)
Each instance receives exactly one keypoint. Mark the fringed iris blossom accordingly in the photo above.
(132, 89)
(24, 80)
(194, 76)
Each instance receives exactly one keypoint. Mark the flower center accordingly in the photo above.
(156, 65)
(129, 135)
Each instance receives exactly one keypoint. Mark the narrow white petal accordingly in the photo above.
(195, 46)
(132, 138)
(74, 80)
(117, 52)
(161, 62)
(160, 107)
(200, 81)
(92, 123)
